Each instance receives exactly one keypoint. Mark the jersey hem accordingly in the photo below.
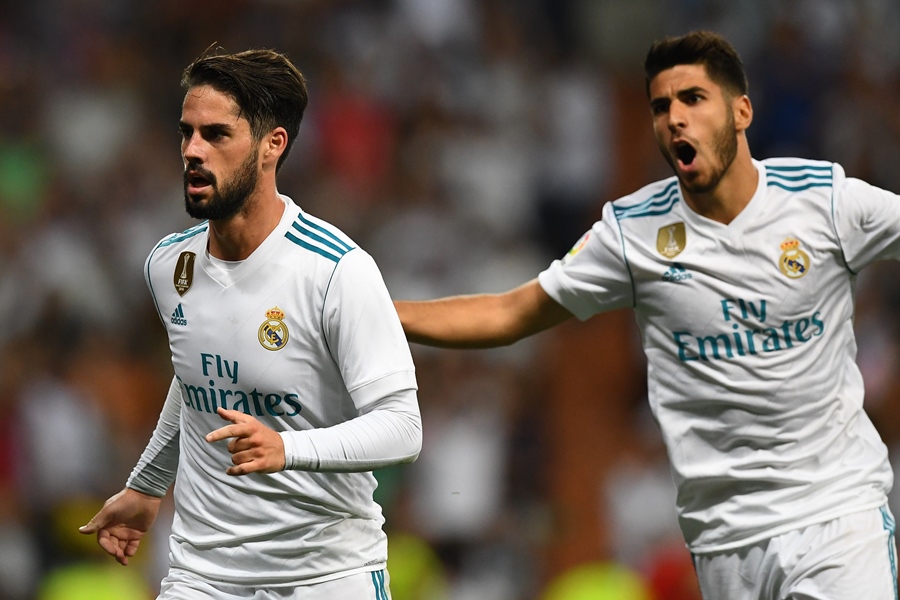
(248, 582)
(825, 517)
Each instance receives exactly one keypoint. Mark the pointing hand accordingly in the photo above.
(254, 447)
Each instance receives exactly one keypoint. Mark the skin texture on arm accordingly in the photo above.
(481, 320)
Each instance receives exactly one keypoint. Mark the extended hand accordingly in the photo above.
(122, 522)
(254, 448)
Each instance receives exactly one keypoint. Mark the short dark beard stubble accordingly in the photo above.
(228, 200)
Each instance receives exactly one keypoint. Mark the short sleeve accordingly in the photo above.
(594, 276)
(364, 333)
(867, 222)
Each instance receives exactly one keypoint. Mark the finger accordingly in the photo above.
(245, 468)
(109, 544)
(90, 528)
(246, 462)
(235, 416)
(229, 431)
(222, 433)
(240, 444)
(94, 525)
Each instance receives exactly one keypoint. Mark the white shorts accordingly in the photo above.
(850, 558)
(183, 585)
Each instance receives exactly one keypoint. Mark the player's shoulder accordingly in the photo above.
(316, 238)
(800, 174)
(176, 243)
(654, 200)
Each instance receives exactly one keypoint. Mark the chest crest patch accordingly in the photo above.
(671, 240)
(184, 272)
(273, 333)
(794, 262)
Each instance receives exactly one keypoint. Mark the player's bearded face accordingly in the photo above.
(228, 198)
(720, 153)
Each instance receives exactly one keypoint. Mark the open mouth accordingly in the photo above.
(196, 180)
(685, 153)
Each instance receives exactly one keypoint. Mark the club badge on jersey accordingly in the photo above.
(184, 272)
(671, 240)
(794, 262)
(273, 333)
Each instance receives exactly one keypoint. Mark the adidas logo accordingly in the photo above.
(676, 273)
(178, 316)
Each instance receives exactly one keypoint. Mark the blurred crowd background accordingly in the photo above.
(465, 144)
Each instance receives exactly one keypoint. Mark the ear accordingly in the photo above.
(743, 112)
(273, 146)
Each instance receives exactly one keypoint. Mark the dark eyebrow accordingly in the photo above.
(691, 91)
(206, 129)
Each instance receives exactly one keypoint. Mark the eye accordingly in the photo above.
(658, 108)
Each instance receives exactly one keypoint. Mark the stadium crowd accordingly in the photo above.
(465, 144)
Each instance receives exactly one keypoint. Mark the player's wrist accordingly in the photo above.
(294, 457)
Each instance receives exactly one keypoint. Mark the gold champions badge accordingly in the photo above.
(273, 333)
(671, 240)
(794, 262)
(184, 272)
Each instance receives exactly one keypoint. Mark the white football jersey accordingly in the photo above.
(748, 333)
(301, 335)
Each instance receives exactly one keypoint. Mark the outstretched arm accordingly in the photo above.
(481, 320)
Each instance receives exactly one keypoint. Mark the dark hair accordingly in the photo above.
(723, 65)
(268, 89)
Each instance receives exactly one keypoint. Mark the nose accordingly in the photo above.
(677, 116)
(192, 150)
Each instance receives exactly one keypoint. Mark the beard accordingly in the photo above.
(724, 149)
(228, 200)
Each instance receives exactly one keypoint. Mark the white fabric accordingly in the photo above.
(378, 438)
(849, 558)
(156, 469)
(334, 351)
(751, 372)
(182, 585)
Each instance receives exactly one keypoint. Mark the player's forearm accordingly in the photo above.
(476, 321)
(388, 433)
(155, 470)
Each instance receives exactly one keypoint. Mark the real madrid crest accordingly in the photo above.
(671, 240)
(184, 272)
(794, 262)
(273, 333)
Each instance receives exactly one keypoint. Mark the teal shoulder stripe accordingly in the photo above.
(798, 167)
(637, 209)
(797, 188)
(330, 234)
(782, 176)
(309, 246)
(341, 250)
(666, 192)
(656, 209)
(186, 234)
